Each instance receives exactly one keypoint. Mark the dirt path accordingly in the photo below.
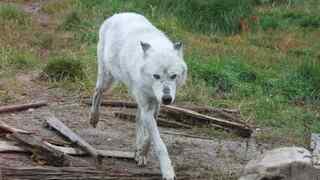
(192, 156)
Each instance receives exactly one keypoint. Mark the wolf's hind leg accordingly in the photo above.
(104, 83)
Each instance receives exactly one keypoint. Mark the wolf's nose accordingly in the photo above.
(166, 99)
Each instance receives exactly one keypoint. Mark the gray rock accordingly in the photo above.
(287, 163)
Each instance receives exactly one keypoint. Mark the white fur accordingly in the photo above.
(131, 50)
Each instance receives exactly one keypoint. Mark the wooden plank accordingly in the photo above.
(104, 153)
(72, 173)
(41, 151)
(9, 146)
(21, 107)
(56, 124)
(315, 147)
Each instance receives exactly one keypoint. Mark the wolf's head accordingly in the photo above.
(164, 70)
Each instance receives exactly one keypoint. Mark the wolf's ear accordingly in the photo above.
(178, 47)
(145, 47)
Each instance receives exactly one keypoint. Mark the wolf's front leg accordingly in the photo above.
(147, 115)
(142, 141)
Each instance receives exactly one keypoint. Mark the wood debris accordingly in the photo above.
(21, 107)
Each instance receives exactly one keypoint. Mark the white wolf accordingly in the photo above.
(131, 50)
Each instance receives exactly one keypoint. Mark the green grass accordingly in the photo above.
(271, 71)
(13, 14)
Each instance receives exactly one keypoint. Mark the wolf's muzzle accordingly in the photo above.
(166, 99)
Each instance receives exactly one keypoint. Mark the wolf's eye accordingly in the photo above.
(156, 76)
(173, 77)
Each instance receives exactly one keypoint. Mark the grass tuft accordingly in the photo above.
(12, 13)
(59, 69)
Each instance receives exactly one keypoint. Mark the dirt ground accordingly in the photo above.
(213, 158)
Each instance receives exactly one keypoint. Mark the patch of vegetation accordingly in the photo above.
(16, 60)
(56, 7)
(71, 22)
(13, 14)
(64, 69)
(205, 16)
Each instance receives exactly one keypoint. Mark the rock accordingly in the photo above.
(287, 163)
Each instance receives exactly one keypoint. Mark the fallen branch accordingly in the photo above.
(160, 121)
(56, 124)
(21, 107)
(71, 173)
(41, 151)
(9, 129)
(190, 117)
(185, 114)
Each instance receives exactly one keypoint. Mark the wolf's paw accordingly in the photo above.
(168, 174)
(140, 159)
(94, 119)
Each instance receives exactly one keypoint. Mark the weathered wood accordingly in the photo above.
(9, 129)
(21, 107)
(9, 146)
(41, 151)
(160, 121)
(242, 129)
(315, 147)
(104, 153)
(71, 173)
(191, 117)
(56, 124)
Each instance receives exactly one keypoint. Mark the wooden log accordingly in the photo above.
(191, 117)
(315, 147)
(56, 124)
(160, 121)
(9, 146)
(72, 173)
(21, 107)
(9, 129)
(241, 129)
(41, 151)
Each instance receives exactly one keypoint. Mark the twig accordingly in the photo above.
(21, 107)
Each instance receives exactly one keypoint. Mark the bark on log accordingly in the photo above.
(21, 107)
(160, 121)
(73, 137)
(41, 151)
(70, 173)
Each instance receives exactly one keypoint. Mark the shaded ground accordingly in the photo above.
(193, 156)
